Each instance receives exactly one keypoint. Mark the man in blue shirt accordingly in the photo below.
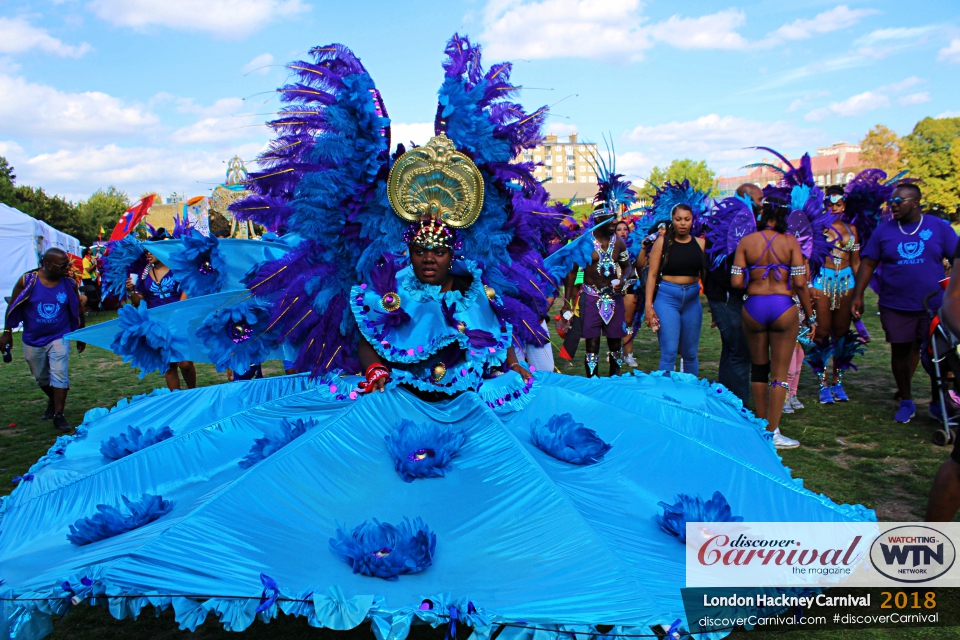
(46, 301)
(912, 248)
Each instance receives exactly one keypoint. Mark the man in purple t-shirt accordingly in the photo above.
(911, 248)
(46, 301)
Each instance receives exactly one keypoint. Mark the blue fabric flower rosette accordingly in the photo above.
(199, 267)
(423, 450)
(238, 336)
(143, 342)
(383, 550)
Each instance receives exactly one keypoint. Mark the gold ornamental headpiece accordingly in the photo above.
(435, 186)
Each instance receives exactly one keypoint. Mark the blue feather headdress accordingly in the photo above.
(671, 194)
(615, 196)
(865, 196)
(325, 178)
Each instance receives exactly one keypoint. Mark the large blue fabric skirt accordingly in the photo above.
(520, 535)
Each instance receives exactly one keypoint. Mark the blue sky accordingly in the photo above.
(158, 94)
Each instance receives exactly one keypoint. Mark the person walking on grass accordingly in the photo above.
(777, 270)
(672, 307)
(47, 303)
(912, 248)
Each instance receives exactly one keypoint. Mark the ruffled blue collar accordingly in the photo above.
(422, 292)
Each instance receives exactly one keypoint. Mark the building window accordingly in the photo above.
(850, 177)
(582, 148)
(583, 178)
(559, 158)
(820, 180)
(536, 158)
(591, 178)
(583, 169)
(559, 179)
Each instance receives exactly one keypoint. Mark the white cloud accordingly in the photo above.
(220, 122)
(545, 29)
(19, 36)
(406, 132)
(723, 141)
(634, 164)
(903, 85)
(38, 111)
(835, 19)
(714, 31)
(228, 19)
(561, 128)
(259, 65)
(949, 114)
(10, 148)
(881, 43)
(914, 98)
(76, 173)
(852, 106)
(799, 102)
(950, 53)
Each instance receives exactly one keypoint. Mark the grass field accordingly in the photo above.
(852, 452)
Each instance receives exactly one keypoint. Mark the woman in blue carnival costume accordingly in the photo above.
(467, 492)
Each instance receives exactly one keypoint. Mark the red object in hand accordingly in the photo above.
(373, 373)
(945, 283)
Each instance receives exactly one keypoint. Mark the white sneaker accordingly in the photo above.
(631, 361)
(781, 441)
(787, 407)
(795, 402)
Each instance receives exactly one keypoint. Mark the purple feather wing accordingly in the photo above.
(742, 224)
(799, 225)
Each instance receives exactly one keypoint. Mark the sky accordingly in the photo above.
(157, 95)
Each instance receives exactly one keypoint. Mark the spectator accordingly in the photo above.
(912, 248)
(156, 286)
(47, 302)
(676, 266)
(89, 278)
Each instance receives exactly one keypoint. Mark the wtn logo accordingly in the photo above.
(900, 554)
(913, 553)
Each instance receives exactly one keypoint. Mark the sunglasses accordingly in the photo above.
(835, 198)
(60, 265)
(895, 202)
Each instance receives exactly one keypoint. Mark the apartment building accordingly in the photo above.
(565, 167)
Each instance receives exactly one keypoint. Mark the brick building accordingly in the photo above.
(565, 167)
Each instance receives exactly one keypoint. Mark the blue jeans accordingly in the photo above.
(734, 352)
(678, 308)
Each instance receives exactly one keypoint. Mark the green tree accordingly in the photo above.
(880, 148)
(701, 177)
(7, 183)
(102, 209)
(929, 154)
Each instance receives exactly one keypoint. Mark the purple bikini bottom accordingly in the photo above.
(766, 309)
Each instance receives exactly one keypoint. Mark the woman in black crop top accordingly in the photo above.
(676, 265)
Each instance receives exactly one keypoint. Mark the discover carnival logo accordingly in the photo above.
(913, 553)
(780, 552)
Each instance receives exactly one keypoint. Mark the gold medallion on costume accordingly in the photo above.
(436, 182)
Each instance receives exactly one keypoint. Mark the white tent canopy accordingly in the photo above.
(22, 241)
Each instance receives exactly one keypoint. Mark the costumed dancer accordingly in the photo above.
(227, 489)
(776, 267)
(601, 305)
(625, 230)
(677, 263)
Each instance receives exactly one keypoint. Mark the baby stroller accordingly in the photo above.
(939, 357)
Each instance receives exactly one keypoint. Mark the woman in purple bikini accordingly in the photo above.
(777, 270)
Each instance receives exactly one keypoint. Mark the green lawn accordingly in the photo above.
(852, 452)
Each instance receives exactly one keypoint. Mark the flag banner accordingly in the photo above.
(132, 217)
